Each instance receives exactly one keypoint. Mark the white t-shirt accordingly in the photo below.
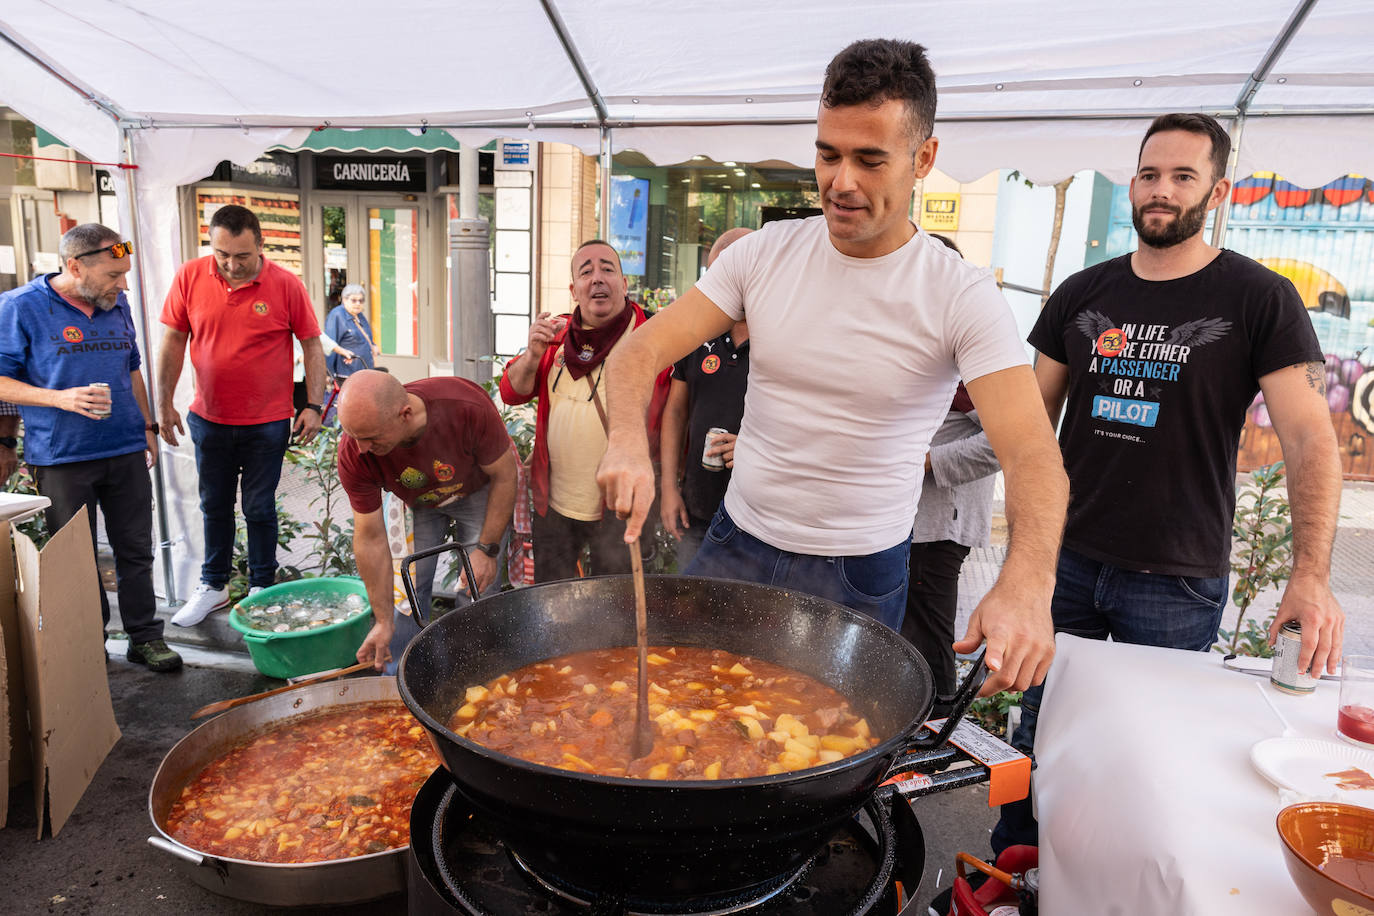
(852, 366)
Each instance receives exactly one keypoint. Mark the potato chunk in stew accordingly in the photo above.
(717, 715)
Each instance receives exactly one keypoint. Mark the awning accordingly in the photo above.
(376, 140)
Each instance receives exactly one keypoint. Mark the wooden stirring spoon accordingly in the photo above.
(239, 701)
(644, 729)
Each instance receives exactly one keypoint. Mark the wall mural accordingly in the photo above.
(1322, 239)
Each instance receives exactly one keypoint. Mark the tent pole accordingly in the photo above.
(1224, 211)
(149, 365)
(605, 208)
(1271, 56)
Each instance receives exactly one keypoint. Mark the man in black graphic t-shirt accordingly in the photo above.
(707, 391)
(1160, 352)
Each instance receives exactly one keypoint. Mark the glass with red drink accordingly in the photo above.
(1355, 720)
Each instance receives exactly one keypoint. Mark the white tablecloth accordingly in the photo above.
(1147, 799)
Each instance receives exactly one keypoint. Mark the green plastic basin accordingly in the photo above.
(292, 654)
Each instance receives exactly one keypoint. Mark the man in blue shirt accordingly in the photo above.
(69, 359)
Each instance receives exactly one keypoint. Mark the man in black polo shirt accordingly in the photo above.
(707, 391)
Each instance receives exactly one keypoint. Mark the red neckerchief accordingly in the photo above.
(962, 402)
(586, 348)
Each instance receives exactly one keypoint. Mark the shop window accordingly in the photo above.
(664, 220)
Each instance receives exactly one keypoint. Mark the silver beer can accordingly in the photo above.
(1287, 648)
(106, 412)
(708, 461)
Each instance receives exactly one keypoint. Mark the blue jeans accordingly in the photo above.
(692, 535)
(1096, 601)
(430, 527)
(229, 458)
(874, 584)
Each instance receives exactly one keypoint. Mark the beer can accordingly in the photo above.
(106, 412)
(713, 462)
(1287, 648)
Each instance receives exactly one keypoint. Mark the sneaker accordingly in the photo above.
(155, 654)
(255, 589)
(202, 603)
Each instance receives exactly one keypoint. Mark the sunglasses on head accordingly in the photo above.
(117, 250)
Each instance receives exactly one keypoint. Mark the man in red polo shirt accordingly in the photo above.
(239, 312)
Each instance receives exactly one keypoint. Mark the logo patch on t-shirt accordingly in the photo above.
(72, 334)
(558, 359)
(413, 478)
(260, 307)
(710, 364)
(1111, 342)
(444, 472)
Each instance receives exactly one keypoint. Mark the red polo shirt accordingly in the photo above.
(240, 340)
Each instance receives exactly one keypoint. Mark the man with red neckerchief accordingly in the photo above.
(564, 367)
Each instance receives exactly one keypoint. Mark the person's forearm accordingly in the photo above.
(670, 447)
(1037, 498)
(963, 460)
(500, 506)
(630, 372)
(1314, 493)
(373, 556)
(521, 373)
(171, 356)
(141, 395)
(314, 370)
(17, 392)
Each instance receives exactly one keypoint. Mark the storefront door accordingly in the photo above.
(379, 241)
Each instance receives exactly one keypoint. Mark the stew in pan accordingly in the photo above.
(315, 788)
(717, 715)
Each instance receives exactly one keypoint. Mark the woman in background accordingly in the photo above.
(347, 324)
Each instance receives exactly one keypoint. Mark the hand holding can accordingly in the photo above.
(103, 410)
(708, 461)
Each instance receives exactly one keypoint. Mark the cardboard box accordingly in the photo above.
(61, 722)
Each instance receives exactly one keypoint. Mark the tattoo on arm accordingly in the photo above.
(1316, 377)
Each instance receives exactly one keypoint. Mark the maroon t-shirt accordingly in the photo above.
(462, 432)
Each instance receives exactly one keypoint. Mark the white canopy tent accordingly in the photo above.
(1049, 88)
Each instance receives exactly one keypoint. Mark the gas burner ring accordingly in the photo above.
(555, 887)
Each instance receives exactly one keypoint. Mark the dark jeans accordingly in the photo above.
(430, 527)
(558, 542)
(120, 486)
(874, 584)
(932, 603)
(1096, 601)
(227, 458)
(692, 536)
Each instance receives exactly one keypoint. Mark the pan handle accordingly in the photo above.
(416, 557)
(958, 705)
(181, 852)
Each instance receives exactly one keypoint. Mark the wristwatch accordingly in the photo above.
(11, 442)
(490, 550)
(152, 428)
(315, 407)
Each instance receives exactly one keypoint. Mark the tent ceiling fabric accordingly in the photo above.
(491, 68)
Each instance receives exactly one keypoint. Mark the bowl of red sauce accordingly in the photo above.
(1329, 850)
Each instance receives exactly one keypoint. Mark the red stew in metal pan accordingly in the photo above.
(314, 788)
(717, 715)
